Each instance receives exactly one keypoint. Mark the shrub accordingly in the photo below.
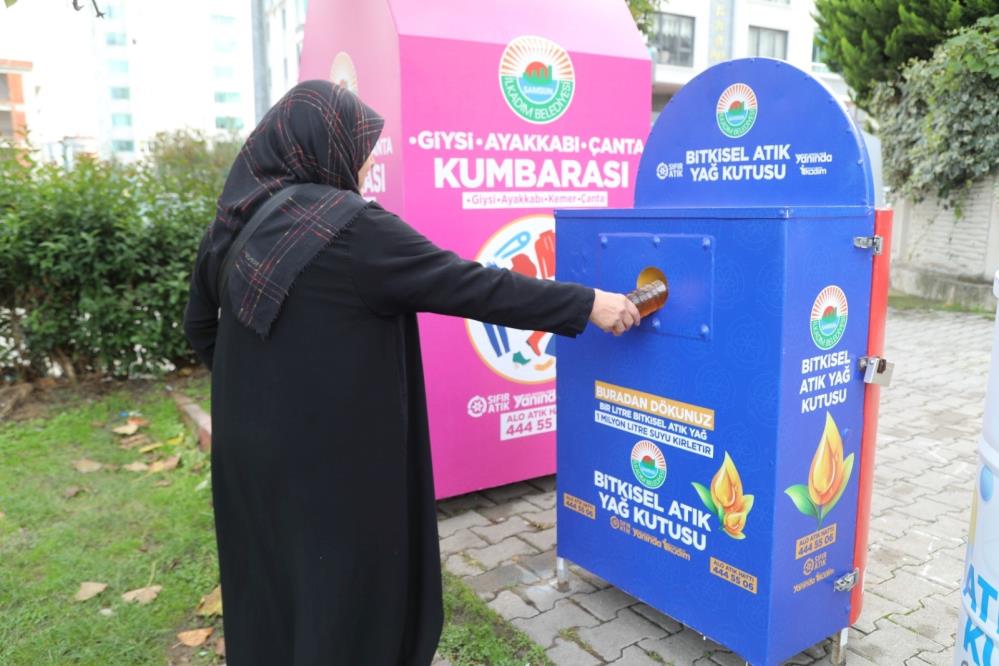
(939, 126)
(95, 260)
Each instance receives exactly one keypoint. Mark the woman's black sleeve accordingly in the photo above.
(396, 269)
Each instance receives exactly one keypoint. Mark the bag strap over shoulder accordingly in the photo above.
(249, 229)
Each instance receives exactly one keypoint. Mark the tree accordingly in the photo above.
(641, 11)
(870, 41)
(939, 123)
(76, 5)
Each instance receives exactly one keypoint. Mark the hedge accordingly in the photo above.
(939, 125)
(95, 259)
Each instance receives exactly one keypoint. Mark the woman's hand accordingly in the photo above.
(613, 313)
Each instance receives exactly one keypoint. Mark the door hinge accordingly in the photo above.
(847, 581)
(876, 370)
(875, 243)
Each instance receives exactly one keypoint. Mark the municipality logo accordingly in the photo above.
(736, 110)
(648, 464)
(537, 79)
(828, 320)
(343, 73)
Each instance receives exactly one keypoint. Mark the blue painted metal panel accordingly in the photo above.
(706, 461)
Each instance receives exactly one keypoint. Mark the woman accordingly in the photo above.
(321, 476)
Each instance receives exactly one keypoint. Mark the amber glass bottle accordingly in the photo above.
(649, 297)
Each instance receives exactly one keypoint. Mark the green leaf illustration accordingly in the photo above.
(799, 495)
(705, 495)
(847, 472)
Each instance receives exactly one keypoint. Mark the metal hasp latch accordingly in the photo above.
(847, 581)
(875, 243)
(876, 370)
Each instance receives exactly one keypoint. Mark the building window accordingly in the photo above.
(4, 88)
(121, 92)
(225, 72)
(673, 39)
(767, 43)
(121, 120)
(225, 45)
(118, 66)
(228, 123)
(123, 146)
(116, 39)
(818, 53)
(227, 97)
(818, 56)
(7, 124)
(224, 21)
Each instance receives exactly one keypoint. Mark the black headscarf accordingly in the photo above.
(318, 133)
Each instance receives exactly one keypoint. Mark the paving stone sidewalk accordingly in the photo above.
(502, 541)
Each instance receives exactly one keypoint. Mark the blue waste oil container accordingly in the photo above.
(708, 460)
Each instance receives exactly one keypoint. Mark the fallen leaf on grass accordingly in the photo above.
(211, 603)
(72, 492)
(143, 595)
(174, 441)
(106, 612)
(164, 465)
(2, 515)
(127, 429)
(220, 647)
(89, 590)
(151, 447)
(195, 637)
(138, 421)
(163, 483)
(86, 466)
(137, 466)
(134, 441)
(97, 424)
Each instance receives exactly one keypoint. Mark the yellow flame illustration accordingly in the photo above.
(735, 522)
(726, 486)
(826, 473)
(726, 493)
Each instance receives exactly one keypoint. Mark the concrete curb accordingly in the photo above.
(197, 418)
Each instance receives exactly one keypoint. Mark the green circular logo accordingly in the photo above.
(828, 319)
(537, 79)
(736, 110)
(648, 464)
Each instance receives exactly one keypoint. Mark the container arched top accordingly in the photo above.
(754, 132)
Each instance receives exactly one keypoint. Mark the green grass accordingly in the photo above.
(474, 634)
(126, 531)
(122, 530)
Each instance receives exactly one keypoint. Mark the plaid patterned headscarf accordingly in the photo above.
(318, 133)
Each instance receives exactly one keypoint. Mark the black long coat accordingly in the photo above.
(321, 473)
